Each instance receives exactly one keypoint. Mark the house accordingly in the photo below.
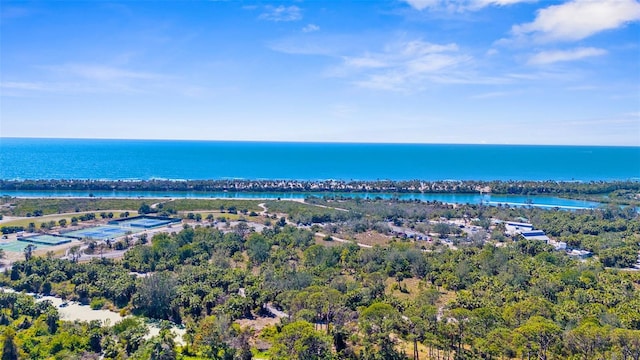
(558, 245)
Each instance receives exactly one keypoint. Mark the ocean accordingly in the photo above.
(26, 158)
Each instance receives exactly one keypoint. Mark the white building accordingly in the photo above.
(558, 245)
(582, 254)
(513, 228)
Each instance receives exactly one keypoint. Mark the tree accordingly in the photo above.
(210, 338)
(9, 348)
(459, 323)
(144, 209)
(443, 229)
(163, 346)
(154, 295)
(589, 338)
(540, 334)
(257, 248)
(28, 251)
(377, 322)
(74, 253)
(242, 229)
(298, 340)
(627, 342)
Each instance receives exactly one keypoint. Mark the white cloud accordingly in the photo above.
(281, 13)
(407, 66)
(310, 28)
(423, 4)
(492, 95)
(102, 72)
(550, 57)
(21, 85)
(579, 19)
(399, 66)
(460, 5)
(88, 78)
(366, 61)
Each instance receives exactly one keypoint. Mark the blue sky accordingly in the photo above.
(419, 71)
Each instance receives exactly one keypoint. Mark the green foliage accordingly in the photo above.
(210, 204)
(515, 300)
(154, 296)
(97, 303)
(306, 214)
(22, 207)
(298, 340)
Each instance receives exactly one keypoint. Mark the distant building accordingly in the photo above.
(528, 233)
(582, 254)
(535, 235)
(558, 245)
(513, 228)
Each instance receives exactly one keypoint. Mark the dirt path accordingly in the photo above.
(319, 234)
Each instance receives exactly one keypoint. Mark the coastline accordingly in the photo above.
(452, 199)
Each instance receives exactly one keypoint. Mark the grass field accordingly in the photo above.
(22, 207)
(372, 238)
(211, 204)
(57, 217)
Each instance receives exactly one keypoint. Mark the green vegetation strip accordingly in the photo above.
(210, 205)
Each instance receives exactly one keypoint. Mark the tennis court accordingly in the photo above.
(144, 222)
(46, 239)
(16, 246)
(102, 232)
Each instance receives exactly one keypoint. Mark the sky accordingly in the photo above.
(411, 71)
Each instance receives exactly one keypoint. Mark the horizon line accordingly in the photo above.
(309, 141)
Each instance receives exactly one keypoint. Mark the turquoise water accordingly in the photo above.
(511, 200)
(155, 159)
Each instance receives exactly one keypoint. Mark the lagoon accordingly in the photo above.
(487, 199)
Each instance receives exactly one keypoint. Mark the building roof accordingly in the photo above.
(532, 233)
(536, 237)
(575, 252)
(518, 224)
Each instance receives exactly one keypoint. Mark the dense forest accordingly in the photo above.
(317, 298)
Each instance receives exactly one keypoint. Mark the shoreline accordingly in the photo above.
(546, 201)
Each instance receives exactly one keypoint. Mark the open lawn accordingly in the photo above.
(22, 207)
(373, 238)
(320, 241)
(37, 220)
(410, 288)
(210, 204)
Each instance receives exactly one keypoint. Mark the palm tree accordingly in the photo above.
(28, 251)
(75, 254)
